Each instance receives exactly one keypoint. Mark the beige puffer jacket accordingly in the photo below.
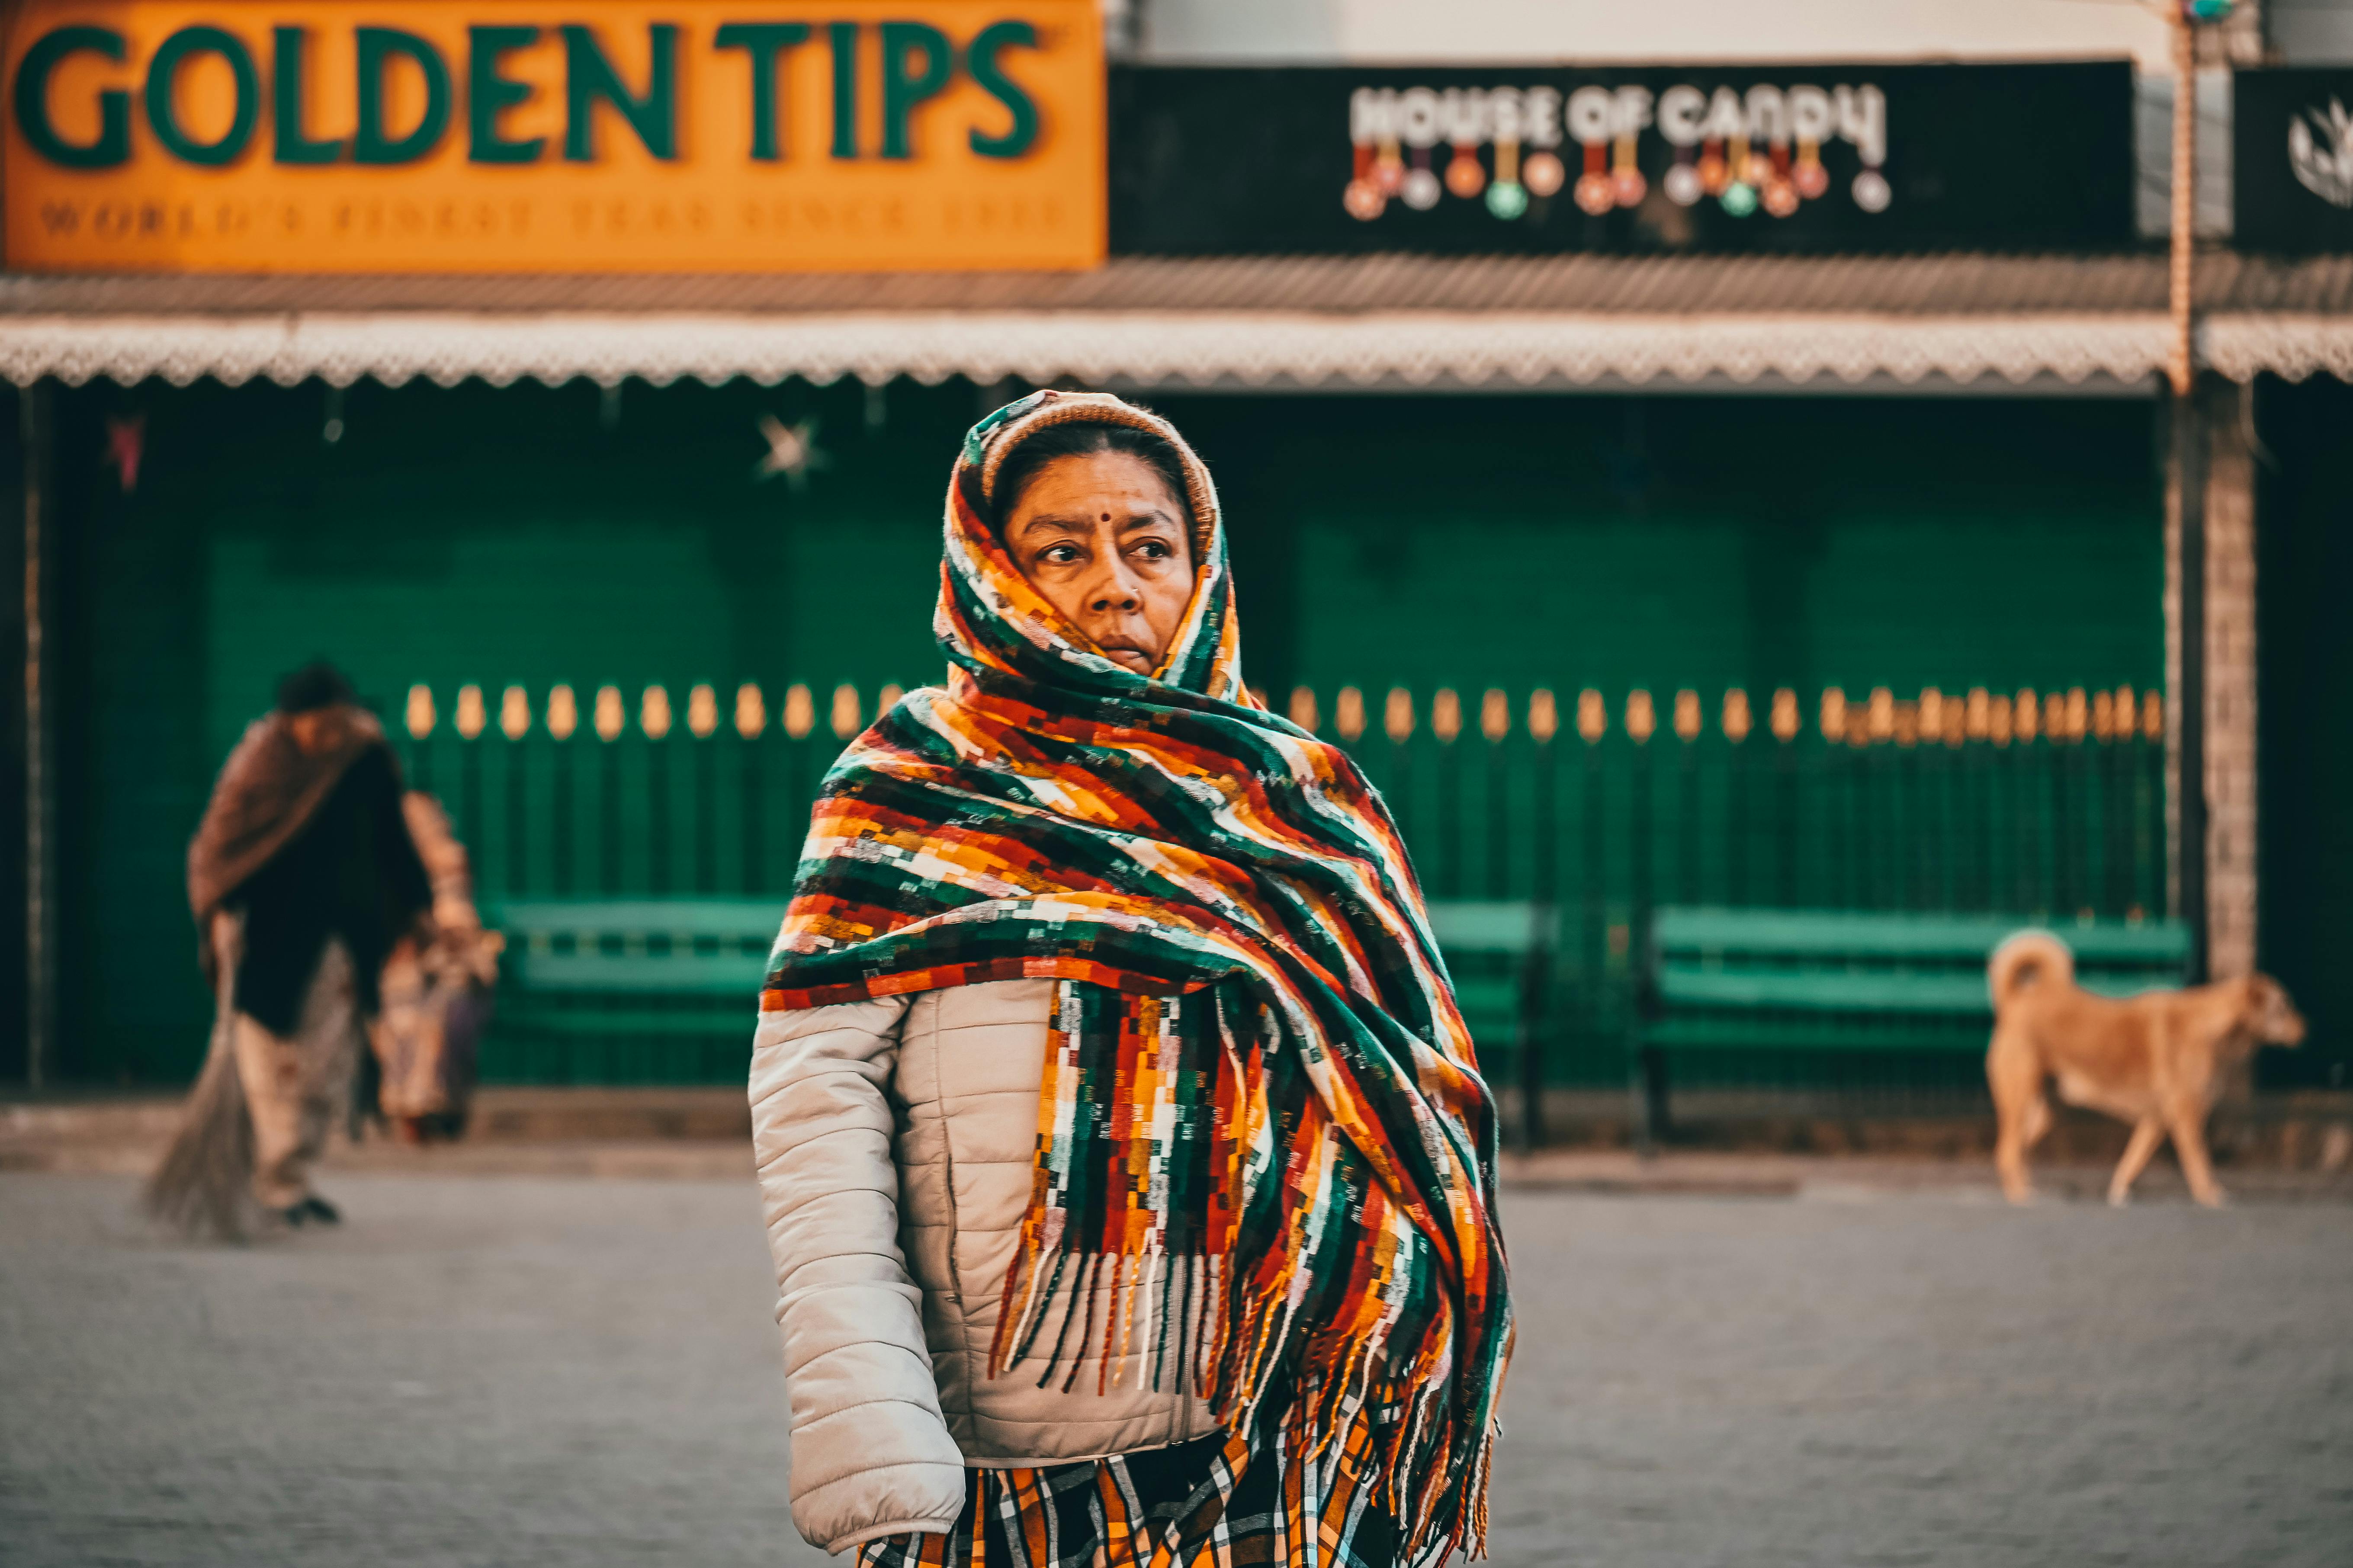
(895, 1141)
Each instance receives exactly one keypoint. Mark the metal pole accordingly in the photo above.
(2179, 369)
(41, 852)
(2188, 477)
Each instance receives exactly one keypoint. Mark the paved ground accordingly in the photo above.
(519, 1370)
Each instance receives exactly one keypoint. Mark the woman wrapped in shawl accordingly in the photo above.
(1127, 1171)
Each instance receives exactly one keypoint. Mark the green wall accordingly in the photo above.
(1701, 542)
(519, 536)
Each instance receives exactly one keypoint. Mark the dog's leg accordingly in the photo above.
(2147, 1134)
(2021, 1113)
(2187, 1116)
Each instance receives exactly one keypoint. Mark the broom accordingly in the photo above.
(203, 1186)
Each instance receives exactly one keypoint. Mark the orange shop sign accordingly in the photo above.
(515, 135)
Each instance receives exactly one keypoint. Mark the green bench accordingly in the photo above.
(590, 979)
(630, 990)
(1499, 957)
(1719, 979)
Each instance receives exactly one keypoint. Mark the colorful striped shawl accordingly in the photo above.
(1051, 813)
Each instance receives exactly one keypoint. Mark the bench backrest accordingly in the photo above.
(709, 947)
(1880, 962)
(719, 947)
(633, 920)
(1516, 929)
(1850, 938)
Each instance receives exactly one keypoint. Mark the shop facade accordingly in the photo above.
(1648, 550)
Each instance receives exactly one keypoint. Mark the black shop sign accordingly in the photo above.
(1789, 158)
(2292, 159)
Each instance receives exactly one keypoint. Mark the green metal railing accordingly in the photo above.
(2048, 804)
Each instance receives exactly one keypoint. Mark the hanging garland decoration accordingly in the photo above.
(1363, 199)
(1592, 115)
(1625, 181)
(1465, 175)
(1682, 184)
(1761, 148)
(1593, 192)
(1420, 191)
(1810, 179)
(1543, 175)
(1739, 195)
(1506, 197)
(1780, 192)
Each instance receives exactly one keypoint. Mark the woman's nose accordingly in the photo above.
(1118, 590)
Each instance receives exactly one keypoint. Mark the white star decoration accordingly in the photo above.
(792, 451)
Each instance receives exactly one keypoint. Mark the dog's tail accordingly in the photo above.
(2031, 960)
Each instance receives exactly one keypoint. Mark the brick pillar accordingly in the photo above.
(2230, 677)
(2229, 680)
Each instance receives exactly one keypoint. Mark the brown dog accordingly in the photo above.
(2157, 1061)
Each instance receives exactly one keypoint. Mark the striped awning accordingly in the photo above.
(1331, 322)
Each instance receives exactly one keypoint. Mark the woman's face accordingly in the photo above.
(1108, 545)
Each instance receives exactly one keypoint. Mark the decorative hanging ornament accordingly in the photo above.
(1420, 191)
(1465, 175)
(126, 439)
(1780, 194)
(1388, 169)
(1812, 181)
(1871, 191)
(1682, 182)
(1543, 175)
(1506, 198)
(1594, 194)
(1755, 167)
(792, 451)
(1363, 199)
(1739, 194)
(1715, 173)
(1625, 181)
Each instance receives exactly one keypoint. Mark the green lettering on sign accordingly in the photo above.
(31, 92)
(589, 76)
(766, 43)
(842, 39)
(376, 46)
(900, 91)
(290, 49)
(981, 60)
(488, 94)
(162, 74)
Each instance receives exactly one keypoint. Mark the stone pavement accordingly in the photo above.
(523, 1370)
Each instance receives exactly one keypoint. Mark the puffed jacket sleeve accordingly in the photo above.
(870, 1453)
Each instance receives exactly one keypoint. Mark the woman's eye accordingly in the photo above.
(1153, 550)
(1060, 554)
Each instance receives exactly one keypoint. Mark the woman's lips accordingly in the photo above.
(1127, 651)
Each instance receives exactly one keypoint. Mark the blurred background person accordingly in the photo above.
(302, 878)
